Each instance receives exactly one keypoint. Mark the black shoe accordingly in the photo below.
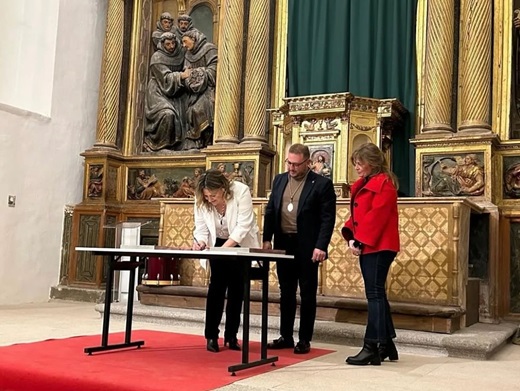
(212, 345)
(233, 343)
(302, 347)
(368, 355)
(281, 343)
(388, 350)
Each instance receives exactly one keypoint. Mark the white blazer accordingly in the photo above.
(240, 218)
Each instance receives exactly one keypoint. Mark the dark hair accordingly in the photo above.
(212, 180)
(300, 149)
(371, 154)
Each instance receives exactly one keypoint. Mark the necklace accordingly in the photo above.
(221, 213)
(290, 207)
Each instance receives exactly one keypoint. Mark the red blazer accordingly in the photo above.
(374, 219)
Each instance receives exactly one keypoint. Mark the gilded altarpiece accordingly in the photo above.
(122, 181)
(430, 276)
(430, 272)
(334, 125)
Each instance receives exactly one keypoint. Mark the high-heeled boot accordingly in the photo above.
(368, 355)
(233, 343)
(212, 345)
(389, 350)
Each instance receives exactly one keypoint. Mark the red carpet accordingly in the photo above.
(167, 361)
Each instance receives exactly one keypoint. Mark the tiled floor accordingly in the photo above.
(58, 319)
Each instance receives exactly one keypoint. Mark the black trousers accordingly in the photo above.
(375, 267)
(303, 273)
(226, 276)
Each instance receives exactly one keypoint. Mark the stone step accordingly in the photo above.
(478, 341)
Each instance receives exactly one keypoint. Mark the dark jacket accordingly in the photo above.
(316, 213)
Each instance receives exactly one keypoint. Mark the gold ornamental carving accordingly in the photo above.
(333, 125)
(229, 75)
(257, 60)
(476, 65)
(108, 108)
(438, 75)
(327, 102)
(428, 270)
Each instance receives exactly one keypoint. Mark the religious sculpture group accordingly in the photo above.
(454, 175)
(180, 96)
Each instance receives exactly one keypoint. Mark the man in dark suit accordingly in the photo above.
(300, 214)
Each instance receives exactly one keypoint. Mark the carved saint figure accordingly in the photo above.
(164, 25)
(512, 181)
(184, 24)
(467, 174)
(165, 97)
(95, 184)
(186, 189)
(200, 64)
(148, 186)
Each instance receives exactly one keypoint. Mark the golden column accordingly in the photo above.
(229, 72)
(475, 76)
(108, 107)
(257, 70)
(438, 74)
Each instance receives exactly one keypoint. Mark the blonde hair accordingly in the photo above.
(371, 154)
(211, 180)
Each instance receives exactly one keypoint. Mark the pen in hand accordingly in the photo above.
(197, 245)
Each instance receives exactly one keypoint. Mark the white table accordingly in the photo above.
(244, 259)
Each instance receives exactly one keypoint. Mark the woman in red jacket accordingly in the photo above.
(372, 233)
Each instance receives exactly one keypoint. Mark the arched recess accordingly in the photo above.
(200, 11)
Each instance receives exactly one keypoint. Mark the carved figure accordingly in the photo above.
(165, 97)
(164, 25)
(197, 173)
(200, 64)
(222, 168)
(512, 181)
(467, 177)
(184, 24)
(95, 184)
(186, 189)
(148, 186)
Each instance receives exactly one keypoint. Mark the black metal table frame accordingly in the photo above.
(251, 273)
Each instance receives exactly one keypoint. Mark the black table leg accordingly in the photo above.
(130, 304)
(247, 302)
(112, 267)
(265, 299)
(247, 309)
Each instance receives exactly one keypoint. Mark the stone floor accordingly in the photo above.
(425, 363)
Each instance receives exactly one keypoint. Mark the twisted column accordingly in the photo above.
(476, 66)
(256, 82)
(229, 71)
(438, 72)
(108, 107)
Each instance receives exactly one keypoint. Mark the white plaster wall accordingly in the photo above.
(27, 68)
(40, 158)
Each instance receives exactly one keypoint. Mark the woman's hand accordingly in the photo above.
(198, 246)
(355, 250)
